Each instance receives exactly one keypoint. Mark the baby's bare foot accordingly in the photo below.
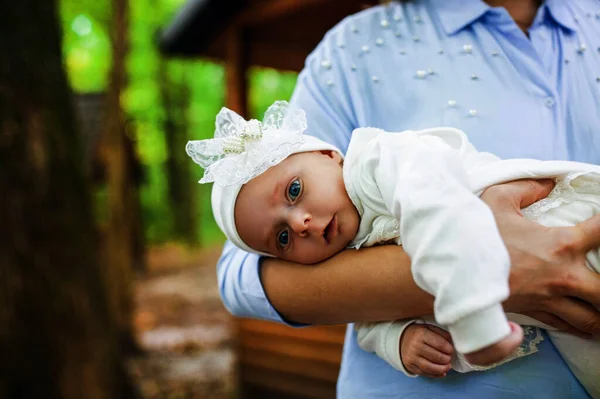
(498, 351)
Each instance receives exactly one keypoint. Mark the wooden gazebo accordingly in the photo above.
(275, 361)
(271, 33)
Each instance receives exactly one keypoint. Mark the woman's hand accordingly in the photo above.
(548, 275)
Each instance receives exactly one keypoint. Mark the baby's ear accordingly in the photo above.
(333, 155)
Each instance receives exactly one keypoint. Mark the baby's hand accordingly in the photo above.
(426, 350)
(498, 351)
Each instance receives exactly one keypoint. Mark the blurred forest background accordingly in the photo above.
(166, 102)
(108, 249)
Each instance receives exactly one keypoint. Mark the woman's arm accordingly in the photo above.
(376, 283)
(371, 284)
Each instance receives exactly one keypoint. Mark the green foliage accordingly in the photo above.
(87, 53)
(267, 86)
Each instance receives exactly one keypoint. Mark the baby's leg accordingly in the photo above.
(576, 202)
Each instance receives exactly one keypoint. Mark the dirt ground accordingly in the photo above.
(185, 334)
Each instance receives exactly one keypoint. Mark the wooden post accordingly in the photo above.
(122, 191)
(182, 189)
(236, 68)
(236, 99)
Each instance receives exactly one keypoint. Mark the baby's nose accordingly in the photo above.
(300, 223)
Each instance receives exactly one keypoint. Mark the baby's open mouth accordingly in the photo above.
(330, 230)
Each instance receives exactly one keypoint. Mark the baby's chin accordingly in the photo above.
(311, 258)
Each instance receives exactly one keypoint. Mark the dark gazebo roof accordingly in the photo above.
(276, 33)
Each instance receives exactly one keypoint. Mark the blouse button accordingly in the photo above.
(549, 102)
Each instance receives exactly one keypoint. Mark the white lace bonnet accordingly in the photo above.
(242, 150)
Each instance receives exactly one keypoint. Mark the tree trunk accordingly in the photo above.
(123, 199)
(56, 336)
(175, 98)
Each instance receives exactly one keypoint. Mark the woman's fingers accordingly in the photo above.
(517, 194)
(579, 314)
(588, 289)
(531, 191)
(588, 233)
(571, 275)
(555, 322)
(549, 319)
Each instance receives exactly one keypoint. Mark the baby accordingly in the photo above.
(283, 194)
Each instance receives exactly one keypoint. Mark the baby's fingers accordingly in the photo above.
(436, 356)
(429, 369)
(439, 339)
(421, 373)
(441, 332)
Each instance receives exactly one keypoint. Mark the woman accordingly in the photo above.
(517, 81)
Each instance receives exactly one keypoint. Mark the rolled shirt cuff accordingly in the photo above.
(392, 346)
(480, 329)
(269, 309)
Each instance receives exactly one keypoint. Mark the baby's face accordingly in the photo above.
(298, 210)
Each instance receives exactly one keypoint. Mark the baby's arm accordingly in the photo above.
(414, 349)
(450, 234)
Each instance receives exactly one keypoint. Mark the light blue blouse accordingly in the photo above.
(463, 64)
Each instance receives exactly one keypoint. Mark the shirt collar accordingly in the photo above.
(455, 15)
(559, 11)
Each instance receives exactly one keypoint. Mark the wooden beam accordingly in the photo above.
(319, 334)
(284, 385)
(275, 9)
(236, 67)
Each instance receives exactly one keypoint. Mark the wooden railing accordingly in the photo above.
(277, 361)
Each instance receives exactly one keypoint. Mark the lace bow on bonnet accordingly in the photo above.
(242, 150)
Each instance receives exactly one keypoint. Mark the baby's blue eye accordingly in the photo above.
(294, 189)
(283, 238)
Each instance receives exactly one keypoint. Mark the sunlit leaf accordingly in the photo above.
(87, 55)
(82, 25)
